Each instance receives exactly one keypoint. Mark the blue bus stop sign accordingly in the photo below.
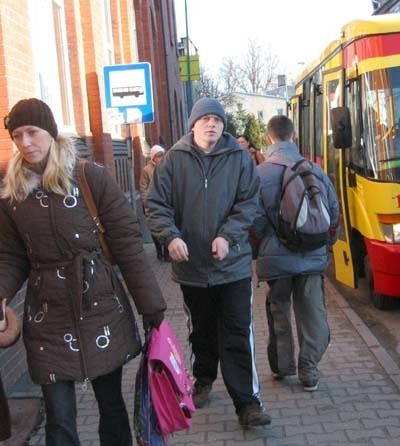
(129, 92)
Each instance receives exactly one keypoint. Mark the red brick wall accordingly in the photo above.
(156, 30)
(16, 73)
(92, 39)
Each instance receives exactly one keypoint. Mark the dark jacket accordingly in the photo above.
(274, 259)
(196, 205)
(5, 421)
(78, 322)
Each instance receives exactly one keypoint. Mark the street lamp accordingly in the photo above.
(189, 81)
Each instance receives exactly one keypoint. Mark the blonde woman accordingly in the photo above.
(78, 323)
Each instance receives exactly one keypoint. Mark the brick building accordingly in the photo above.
(56, 50)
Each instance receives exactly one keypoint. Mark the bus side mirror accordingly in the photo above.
(341, 127)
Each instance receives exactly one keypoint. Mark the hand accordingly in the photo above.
(10, 325)
(219, 248)
(152, 320)
(3, 319)
(178, 250)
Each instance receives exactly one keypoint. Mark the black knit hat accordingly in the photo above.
(206, 106)
(31, 112)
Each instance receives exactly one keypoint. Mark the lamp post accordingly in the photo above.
(189, 81)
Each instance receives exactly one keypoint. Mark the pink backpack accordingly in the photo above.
(170, 385)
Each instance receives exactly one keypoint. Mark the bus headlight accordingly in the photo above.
(390, 225)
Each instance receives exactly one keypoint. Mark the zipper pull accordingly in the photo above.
(85, 384)
(205, 183)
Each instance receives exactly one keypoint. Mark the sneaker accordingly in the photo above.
(310, 386)
(201, 394)
(253, 415)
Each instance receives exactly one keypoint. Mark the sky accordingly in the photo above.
(296, 31)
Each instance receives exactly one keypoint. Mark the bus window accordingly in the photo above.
(295, 119)
(305, 121)
(332, 98)
(357, 151)
(318, 126)
(380, 103)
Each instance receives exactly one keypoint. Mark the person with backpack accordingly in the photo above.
(291, 259)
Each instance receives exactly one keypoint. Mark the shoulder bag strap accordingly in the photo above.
(91, 205)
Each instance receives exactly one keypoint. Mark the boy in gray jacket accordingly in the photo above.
(202, 201)
(289, 273)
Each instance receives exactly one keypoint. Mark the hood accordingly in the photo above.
(282, 149)
(226, 143)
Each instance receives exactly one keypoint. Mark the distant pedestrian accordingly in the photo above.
(254, 152)
(156, 155)
(78, 322)
(296, 276)
(202, 201)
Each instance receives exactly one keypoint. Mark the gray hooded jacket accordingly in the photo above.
(195, 203)
(274, 259)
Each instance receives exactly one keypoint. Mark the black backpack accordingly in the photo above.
(303, 219)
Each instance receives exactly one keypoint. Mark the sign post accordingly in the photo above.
(129, 92)
(129, 100)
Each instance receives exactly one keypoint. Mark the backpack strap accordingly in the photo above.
(92, 208)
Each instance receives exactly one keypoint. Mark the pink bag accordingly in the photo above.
(170, 385)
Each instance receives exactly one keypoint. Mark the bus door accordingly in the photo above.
(334, 165)
(294, 112)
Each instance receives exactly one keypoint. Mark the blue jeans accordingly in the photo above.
(60, 402)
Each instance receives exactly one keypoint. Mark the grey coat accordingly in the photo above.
(196, 205)
(78, 322)
(274, 259)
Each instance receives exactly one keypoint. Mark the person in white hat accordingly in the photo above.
(156, 155)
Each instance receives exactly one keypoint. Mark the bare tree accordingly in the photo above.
(208, 87)
(228, 75)
(253, 74)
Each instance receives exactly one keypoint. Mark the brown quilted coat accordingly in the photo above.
(78, 322)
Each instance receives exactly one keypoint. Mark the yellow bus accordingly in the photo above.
(346, 113)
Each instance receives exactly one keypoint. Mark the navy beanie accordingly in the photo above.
(206, 106)
(31, 112)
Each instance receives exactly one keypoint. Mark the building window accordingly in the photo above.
(51, 62)
(108, 35)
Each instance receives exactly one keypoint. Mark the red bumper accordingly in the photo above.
(385, 265)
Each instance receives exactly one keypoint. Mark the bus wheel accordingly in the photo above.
(379, 301)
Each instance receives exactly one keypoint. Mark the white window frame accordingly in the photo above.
(51, 60)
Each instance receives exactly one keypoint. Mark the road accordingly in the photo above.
(383, 324)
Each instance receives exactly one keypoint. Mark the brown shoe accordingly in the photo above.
(201, 394)
(279, 376)
(253, 415)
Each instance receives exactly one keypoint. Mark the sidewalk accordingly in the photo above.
(357, 403)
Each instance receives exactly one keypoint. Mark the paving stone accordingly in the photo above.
(357, 403)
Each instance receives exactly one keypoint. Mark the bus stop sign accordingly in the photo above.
(129, 92)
